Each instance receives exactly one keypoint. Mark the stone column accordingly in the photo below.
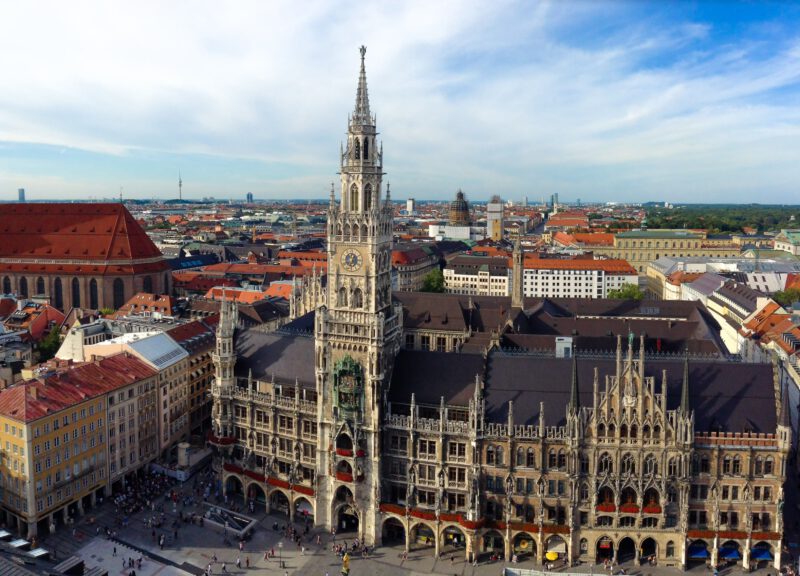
(715, 552)
(777, 552)
(79, 506)
(93, 498)
(746, 554)
(407, 538)
(684, 554)
(32, 530)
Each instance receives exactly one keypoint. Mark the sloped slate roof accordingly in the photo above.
(285, 357)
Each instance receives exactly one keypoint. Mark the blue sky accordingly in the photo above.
(626, 101)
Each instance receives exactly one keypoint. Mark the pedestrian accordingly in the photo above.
(238, 562)
(115, 552)
(247, 561)
(224, 569)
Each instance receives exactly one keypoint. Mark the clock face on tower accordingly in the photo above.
(351, 260)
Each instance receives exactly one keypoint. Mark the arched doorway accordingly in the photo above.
(626, 550)
(453, 539)
(393, 532)
(256, 497)
(421, 536)
(604, 549)
(648, 550)
(233, 486)
(524, 546)
(555, 545)
(346, 519)
(730, 552)
(278, 502)
(303, 510)
(698, 552)
(761, 555)
(494, 543)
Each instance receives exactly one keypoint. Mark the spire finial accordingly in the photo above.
(361, 114)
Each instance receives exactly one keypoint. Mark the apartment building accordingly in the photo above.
(55, 434)
(477, 276)
(573, 278)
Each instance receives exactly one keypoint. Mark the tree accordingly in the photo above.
(50, 344)
(787, 297)
(433, 281)
(627, 292)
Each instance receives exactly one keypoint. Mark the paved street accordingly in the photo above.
(197, 546)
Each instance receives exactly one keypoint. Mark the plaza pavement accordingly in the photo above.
(196, 547)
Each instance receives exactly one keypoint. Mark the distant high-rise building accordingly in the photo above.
(459, 211)
(21, 195)
(552, 201)
(525, 202)
(494, 219)
(249, 197)
(411, 206)
(555, 200)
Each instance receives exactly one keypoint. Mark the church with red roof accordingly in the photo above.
(82, 255)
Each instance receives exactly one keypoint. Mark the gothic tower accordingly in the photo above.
(356, 332)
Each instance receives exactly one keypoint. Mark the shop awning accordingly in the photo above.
(760, 554)
(697, 552)
(729, 553)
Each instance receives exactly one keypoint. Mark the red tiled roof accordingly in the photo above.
(594, 239)
(236, 294)
(91, 232)
(146, 302)
(34, 399)
(615, 266)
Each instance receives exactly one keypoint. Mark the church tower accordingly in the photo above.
(357, 333)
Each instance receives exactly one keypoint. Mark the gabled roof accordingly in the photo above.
(275, 355)
(77, 231)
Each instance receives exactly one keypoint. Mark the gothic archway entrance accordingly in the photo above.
(393, 532)
(422, 536)
(303, 510)
(524, 545)
(233, 486)
(605, 549)
(346, 519)
(626, 551)
(453, 539)
(278, 502)
(648, 549)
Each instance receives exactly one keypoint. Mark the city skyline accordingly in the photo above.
(621, 101)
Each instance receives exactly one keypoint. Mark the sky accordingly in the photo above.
(627, 101)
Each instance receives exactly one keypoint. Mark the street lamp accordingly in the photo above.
(280, 554)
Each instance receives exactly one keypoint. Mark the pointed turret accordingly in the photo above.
(361, 114)
(685, 388)
(516, 279)
(574, 395)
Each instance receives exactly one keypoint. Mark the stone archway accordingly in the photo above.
(556, 545)
(346, 518)
(279, 502)
(604, 549)
(730, 552)
(648, 549)
(453, 538)
(626, 550)
(421, 537)
(393, 532)
(492, 542)
(234, 486)
(698, 552)
(303, 509)
(256, 497)
(524, 546)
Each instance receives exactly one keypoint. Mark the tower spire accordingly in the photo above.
(361, 114)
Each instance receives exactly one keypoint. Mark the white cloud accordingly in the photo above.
(500, 97)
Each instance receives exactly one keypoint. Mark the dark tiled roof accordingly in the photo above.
(740, 294)
(732, 397)
(282, 356)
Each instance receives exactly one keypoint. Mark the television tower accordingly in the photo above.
(180, 186)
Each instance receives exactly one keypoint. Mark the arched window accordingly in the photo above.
(605, 465)
(768, 466)
(628, 464)
(656, 432)
(759, 466)
(147, 284)
(670, 549)
(354, 198)
(490, 455)
(737, 465)
(58, 294)
(40, 285)
(530, 460)
(584, 492)
(342, 296)
(119, 293)
(646, 432)
(601, 430)
(499, 455)
(634, 431)
(93, 303)
(356, 149)
(623, 431)
(76, 293)
(551, 458)
(367, 196)
(366, 148)
(23, 287)
(6, 285)
(520, 456)
(726, 465)
(612, 431)
(672, 467)
(650, 465)
(562, 460)
(357, 299)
